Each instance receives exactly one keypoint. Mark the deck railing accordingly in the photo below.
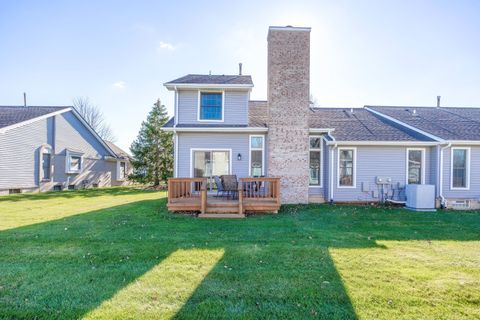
(261, 189)
(254, 194)
(186, 188)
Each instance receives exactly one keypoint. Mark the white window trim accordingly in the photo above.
(68, 156)
(422, 178)
(43, 148)
(250, 149)
(321, 160)
(118, 170)
(354, 167)
(198, 105)
(192, 150)
(468, 149)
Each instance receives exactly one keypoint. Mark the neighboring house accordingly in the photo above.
(123, 167)
(320, 154)
(53, 148)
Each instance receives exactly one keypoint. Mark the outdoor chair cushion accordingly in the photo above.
(229, 182)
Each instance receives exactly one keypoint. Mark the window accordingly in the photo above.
(256, 156)
(315, 164)
(73, 162)
(211, 106)
(209, 163)
(460, 168)
(346, 167)
(121, 170)
(45, 163)
(415, 166)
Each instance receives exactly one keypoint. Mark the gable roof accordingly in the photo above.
(211, 81)
(442, 122)
(361, 125)
(12, 115)
(118, 151)
(15, 116)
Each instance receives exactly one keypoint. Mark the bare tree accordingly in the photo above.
(94, 117)
(314, 102)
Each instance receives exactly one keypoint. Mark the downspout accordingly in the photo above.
(332, 156)
(175, 137)
(440, 178)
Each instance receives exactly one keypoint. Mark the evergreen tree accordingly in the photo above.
(153, 149)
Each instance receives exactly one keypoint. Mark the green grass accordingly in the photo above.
(117, 253)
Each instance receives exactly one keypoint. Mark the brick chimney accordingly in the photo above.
(288, 108)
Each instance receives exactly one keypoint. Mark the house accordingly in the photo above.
(320, 154)
(53, 148)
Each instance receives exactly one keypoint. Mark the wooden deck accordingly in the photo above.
(253, 195)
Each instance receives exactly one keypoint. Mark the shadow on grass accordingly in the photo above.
(72, 194)
(271, 267)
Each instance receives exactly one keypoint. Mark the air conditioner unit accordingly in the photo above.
(420, 197)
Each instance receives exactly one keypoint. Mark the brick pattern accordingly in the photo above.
(288, 111)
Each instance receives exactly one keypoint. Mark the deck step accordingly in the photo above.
(232, 204)
(222, 209)
(221, 215)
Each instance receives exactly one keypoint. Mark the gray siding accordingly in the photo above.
(373, 161)
(238, 142)
(236, 107)
(474, 191)
(19, 154)
(20, 158)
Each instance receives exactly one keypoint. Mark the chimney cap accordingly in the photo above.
(289, 28)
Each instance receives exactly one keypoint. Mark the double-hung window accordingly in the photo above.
(73, 162)
(460, 168)
(346, 167)
(121, 170)
(211, 106)
(315, 164)
(415, 166)
(257, 148)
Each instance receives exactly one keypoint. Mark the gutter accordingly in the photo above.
(440, 178)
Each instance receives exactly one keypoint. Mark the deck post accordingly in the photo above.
(240, 197)
(203, 197)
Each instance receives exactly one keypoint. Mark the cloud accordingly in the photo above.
(120, 85)
(165, 46)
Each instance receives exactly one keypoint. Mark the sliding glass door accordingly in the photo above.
(210, 163)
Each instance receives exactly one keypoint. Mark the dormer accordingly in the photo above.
(211, 99)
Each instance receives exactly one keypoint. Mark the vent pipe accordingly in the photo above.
(240, 69)
(438, 101)
(25, 99)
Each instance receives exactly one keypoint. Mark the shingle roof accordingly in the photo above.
(213, 79)
(445, 123)
(10, 115)
(360, 125)
(257, 118)
(118, 151)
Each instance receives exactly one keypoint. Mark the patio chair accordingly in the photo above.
(230, 184)
(220, 189)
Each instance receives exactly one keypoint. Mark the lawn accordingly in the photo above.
(117, 254)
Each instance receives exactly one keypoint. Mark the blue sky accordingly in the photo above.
(119, 53)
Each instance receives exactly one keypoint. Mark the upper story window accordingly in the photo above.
(460, 168)
(415, 166)
(315, 164)
(347, 167)
(73, 162)
(211, 106)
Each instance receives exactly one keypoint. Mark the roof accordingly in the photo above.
(445, 123)
(360, 125)
(213, 80)
(10, 115)
(118, 151)
(257, 118)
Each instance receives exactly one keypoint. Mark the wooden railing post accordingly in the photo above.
(169, 190)
(240, 197)
(203, 197)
